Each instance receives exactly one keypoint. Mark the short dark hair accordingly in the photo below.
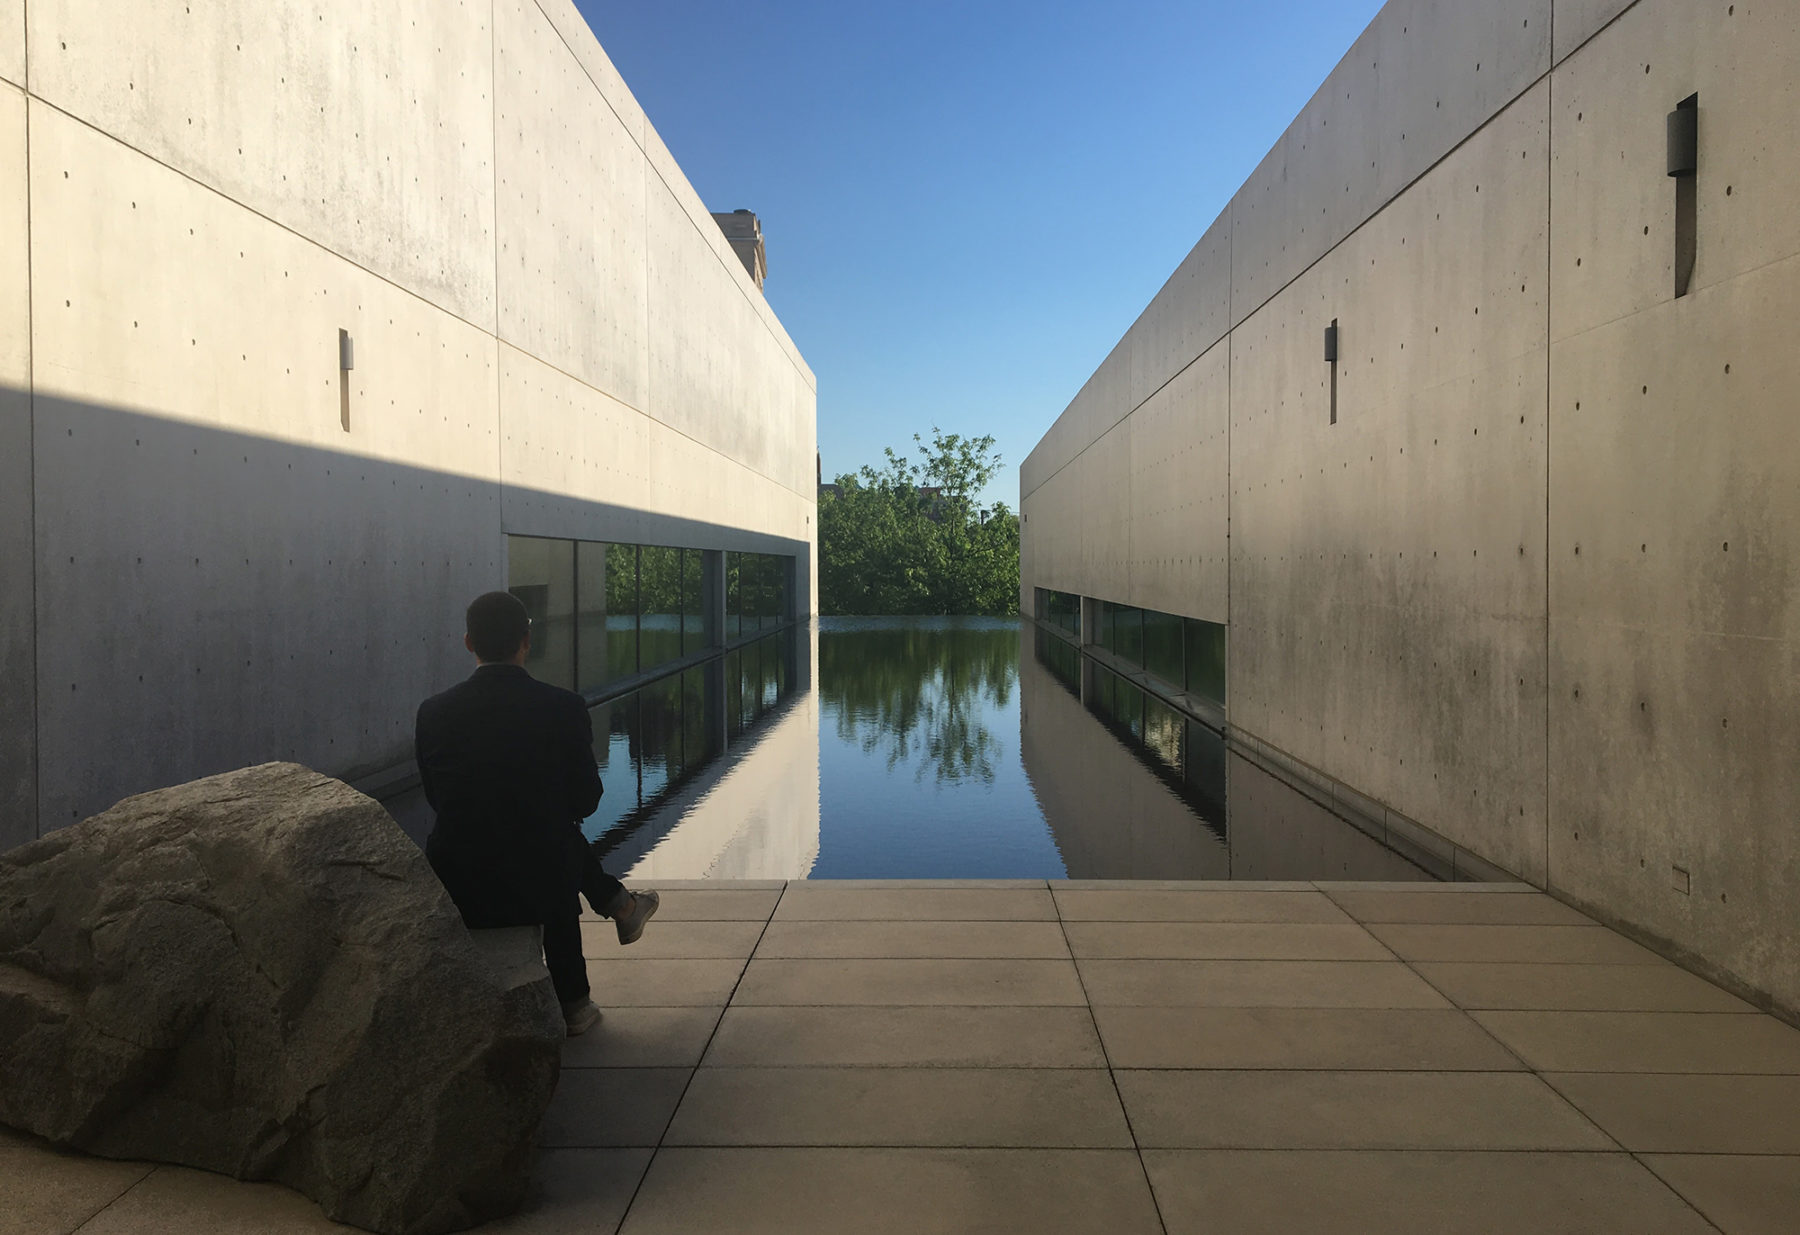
(497, 625)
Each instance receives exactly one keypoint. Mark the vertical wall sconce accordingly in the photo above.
(346, 362)
(1684, 166)
(1331, 355)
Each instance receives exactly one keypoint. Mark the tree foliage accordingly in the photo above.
(911, 537)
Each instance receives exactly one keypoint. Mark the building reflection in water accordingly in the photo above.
(714, 772)
(1088, 737)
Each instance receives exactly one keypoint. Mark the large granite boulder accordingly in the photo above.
(258, 974)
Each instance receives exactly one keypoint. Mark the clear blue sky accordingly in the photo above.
(967, 202)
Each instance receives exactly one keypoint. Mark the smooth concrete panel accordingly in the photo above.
(663, 165)
(1420, 79)
(573, 261)
(18, 678)
(1387, 573)
(12, 41)
(1178, 485)
(1101, 403)
(1577, 21)
(717, 375)
(1190, 314)
(1613, 199)
(1445, 70)
(1675, 631)
(371, 129)
(198, 498)
(1314, 187)
(577, 463)
(573, 29)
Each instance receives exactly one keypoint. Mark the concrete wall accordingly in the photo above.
(18, 718)
(551, 338)
(1477, 194)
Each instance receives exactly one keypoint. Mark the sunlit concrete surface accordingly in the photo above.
(1107, 1056)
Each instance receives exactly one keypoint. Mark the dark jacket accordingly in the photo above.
(508, 765)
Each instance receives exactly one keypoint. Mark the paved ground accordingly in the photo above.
(1117, 1058)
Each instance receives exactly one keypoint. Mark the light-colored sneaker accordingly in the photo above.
(630, 924)
(580, 1016)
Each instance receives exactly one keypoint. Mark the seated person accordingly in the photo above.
(508, 765)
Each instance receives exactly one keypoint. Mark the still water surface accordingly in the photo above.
(943, 748)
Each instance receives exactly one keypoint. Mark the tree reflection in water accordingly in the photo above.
(922, 690)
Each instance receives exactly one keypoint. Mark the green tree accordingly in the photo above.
(912, 537)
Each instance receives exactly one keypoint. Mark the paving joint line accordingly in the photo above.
(1111, 1073)
(695, 1070)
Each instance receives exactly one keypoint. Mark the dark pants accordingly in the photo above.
(562, 934)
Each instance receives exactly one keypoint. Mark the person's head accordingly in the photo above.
(498, 630)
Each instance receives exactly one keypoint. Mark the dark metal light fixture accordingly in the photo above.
(1684, 137)
(1684, 166)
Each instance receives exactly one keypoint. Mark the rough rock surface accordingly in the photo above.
(258, 974)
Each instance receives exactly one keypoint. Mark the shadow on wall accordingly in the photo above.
(202, 599)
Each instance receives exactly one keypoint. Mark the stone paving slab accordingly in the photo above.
(1267, 941)
(1742, 1196)
(1256, 984)
(613, 1108)
(662, 983)
(1352, 1110)
(1049, 1056)
(676, 940)
(949, 1037)
(174, 1200)
(801, 940)
(652, 1037)
(1647, 1041)
(1534, 910)
(1125, 902)
(911, 983)
(1523, 986)
(905, 1191)
(1044, 1108)
(878, 904)
(1689, 1114)
(1539, 945)
(1275, 1192)
(1413, 1040)
(51, 1193)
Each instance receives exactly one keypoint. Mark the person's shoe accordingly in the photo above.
(580, 1016)
(630, 924)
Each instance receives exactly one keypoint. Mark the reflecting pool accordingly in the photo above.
(943, 748)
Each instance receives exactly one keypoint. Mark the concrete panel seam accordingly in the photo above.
(763, 311)
(499, 287)
(1131, 411)
(1231, 310)
(1398, 193)
(37, 777)
(36, 101)
(1549, 334)
(536, 359)
(1607, 25)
